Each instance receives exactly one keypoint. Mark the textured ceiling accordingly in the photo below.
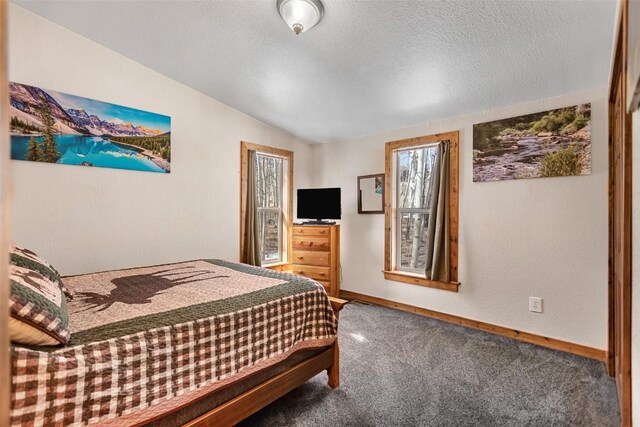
(368, 66)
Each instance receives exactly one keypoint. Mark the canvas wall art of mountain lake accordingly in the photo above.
(55, 127)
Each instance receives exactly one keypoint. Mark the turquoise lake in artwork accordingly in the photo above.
(90, 150)
(48, 126)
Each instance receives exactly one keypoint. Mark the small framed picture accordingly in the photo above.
(371, 194)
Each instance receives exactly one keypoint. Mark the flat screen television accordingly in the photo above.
(319, 205)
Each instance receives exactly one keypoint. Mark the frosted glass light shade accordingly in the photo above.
(300, 15)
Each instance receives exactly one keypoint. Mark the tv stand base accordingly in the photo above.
(319, 222)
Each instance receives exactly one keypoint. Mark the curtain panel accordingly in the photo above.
(438, 259)
(252, 255)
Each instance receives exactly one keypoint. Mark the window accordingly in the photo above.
(274, 201)
(269, 202)
(409, 171)
(413, 197)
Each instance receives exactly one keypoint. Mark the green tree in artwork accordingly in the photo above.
(165, 153)
(33, 150)
(564, 162)
(49, 152)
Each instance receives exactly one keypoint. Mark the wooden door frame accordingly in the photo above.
(622, 300)
(615, 76)
(5, 220)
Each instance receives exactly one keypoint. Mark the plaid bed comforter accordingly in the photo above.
(174, 332)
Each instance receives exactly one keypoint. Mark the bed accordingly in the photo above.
(198, 343)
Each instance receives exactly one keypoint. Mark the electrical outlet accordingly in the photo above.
(535, 304)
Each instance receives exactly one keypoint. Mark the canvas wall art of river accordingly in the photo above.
(55, 127)
(546, 144)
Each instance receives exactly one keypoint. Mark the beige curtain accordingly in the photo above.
(437, 266)
(252, 255)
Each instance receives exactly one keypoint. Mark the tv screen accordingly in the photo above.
(319, 203)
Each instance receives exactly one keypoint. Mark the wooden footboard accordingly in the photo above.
(239, 408)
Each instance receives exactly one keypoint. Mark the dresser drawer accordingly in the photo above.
(317, 273)
(302, 243)
(307, 230)
(312, 258)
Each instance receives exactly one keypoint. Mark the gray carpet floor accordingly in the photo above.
(401, 369)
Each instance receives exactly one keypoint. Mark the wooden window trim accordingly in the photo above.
(244, 151)
(400, 276)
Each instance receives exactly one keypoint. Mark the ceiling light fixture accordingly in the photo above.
(300, 15)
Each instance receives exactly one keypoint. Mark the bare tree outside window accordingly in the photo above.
(414, 173)
(269, 184)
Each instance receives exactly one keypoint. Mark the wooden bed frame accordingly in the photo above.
(241, 407)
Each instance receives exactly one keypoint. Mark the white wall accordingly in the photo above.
(92, 219)
(520, 238)
(635, 271)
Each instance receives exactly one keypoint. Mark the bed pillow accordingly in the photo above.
(38, 309)
(28, 259)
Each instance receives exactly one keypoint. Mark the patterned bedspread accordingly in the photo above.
(146, 341)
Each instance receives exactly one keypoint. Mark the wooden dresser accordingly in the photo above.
(316, 254)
